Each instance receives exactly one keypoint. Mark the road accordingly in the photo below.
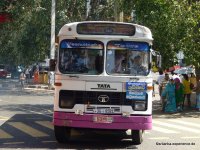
(26, 116)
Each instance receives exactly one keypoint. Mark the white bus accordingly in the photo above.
(103, 78)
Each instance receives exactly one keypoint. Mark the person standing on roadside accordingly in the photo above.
(193, 80)
(27, 74)
(159, 81)
(169, 94)
(187, 89)
(179, 94)
(163, 85)
(197, 90)
(174, 76)
(22, 79)
(36, 76)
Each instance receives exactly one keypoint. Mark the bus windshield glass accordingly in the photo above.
(127, 58)
(81, 57)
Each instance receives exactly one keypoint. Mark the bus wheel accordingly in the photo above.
(137, 136)
(62, 134)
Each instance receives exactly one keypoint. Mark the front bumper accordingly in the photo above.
(86, 121)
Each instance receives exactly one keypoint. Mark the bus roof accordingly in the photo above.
(108, 28)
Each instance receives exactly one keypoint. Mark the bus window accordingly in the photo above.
(128, 58)
(80, 56)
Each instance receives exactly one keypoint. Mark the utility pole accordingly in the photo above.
(118, 15)
(116, 10)
(53, 8)
(88, 7)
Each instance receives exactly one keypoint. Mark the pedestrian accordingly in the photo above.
(193, 81)
(159, 81)
(187, 89)
(27, 75)
(36, 76)
(197, 90)
(175, 75)
(22, 78)
(179, 94)
(169, 95)
(163, 85)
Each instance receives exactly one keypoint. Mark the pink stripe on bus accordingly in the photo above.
(86, 121)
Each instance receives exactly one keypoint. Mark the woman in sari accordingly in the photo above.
(179, 94)
(169, 95)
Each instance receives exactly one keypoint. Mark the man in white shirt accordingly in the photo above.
(160, 79)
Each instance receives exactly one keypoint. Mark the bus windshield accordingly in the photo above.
(128, 58)
(81, 57)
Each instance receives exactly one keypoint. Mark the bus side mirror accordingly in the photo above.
(158, 58)
(52, 64)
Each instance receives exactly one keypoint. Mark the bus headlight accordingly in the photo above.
(66, 99)
(140, 105)
(66, 103)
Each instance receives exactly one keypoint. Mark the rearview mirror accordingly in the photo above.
(158, 58)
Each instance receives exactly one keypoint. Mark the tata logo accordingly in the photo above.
(103, 98)
(103, 86)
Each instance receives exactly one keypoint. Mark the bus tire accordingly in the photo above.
(62, 134)
(137, 136)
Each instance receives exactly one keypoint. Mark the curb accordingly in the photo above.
(17, 85)
(40, 87)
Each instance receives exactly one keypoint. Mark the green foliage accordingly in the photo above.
(175, 25)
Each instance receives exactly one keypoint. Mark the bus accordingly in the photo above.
(103, 78)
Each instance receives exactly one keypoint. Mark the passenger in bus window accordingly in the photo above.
(99, 63)
(68, 60)
(118, 63)
(82, 62)
(137, 67)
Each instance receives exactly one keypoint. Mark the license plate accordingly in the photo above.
(102, 119)
(104, 111)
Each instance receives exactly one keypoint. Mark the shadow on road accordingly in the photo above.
(29, 131)
(187, 113)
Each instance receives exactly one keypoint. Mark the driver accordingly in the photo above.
(137, 67)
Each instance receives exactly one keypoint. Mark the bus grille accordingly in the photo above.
(92, 97)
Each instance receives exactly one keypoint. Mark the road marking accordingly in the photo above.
(4, 135)
(159, 138)
(191, 137)
(176, 126)
(10, 143)
(40, 113)
(4, 118)
(35, 112)
(47, 124)
(49, 141)
(186, 123)
(27, 129)
(163, 130)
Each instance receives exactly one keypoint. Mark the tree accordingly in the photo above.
(175, 25)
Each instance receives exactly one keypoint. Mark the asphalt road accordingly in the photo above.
(26, 116)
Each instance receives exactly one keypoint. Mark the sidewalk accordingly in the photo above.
(187, 112)
(39, 86)
(32, 85)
